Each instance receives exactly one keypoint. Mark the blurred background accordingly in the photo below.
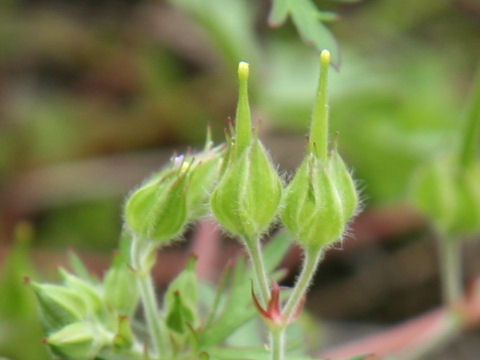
(95, 95)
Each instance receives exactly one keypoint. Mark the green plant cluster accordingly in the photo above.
(236, 182)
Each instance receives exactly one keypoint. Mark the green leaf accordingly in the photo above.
(179, 315)
(229, 25)
(308, 21)
(278, 13)
(181, 299)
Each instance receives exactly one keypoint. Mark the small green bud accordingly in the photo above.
(121, 291)
(247, 197)
(124, 337)
(157, 211)
(321, 199)
(89, 293)
(79, 340)
(59, 305)
(450, 198)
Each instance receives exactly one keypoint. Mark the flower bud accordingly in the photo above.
(157, 211)
(59, 306)
(90, 294)
(248, 195)
(79, 340)
(321, 199)
(121, 291)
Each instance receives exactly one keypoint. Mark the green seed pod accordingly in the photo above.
(59, 306)
(321, 199)
(247, 197)
(79, 340)
(157, 211)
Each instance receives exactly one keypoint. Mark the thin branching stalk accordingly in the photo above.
(450, 270)
(140, 252)
(277, 343)
(310, 264)
(253, 247)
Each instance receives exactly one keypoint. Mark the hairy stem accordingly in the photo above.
(451, 270)
(277, 343)
(259, 273)
(310, 264)
(141, 255)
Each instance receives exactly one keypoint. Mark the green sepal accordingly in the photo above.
(181, 299)
(344, 184)
(205, 170)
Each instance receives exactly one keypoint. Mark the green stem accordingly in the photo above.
(141, 253)
(310, 264)
(451, 270)
(259, 273)
(277, 342)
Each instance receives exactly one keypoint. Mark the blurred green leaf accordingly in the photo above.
(181, 299)
(19, 323)
(229, 23)
(308, 21)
